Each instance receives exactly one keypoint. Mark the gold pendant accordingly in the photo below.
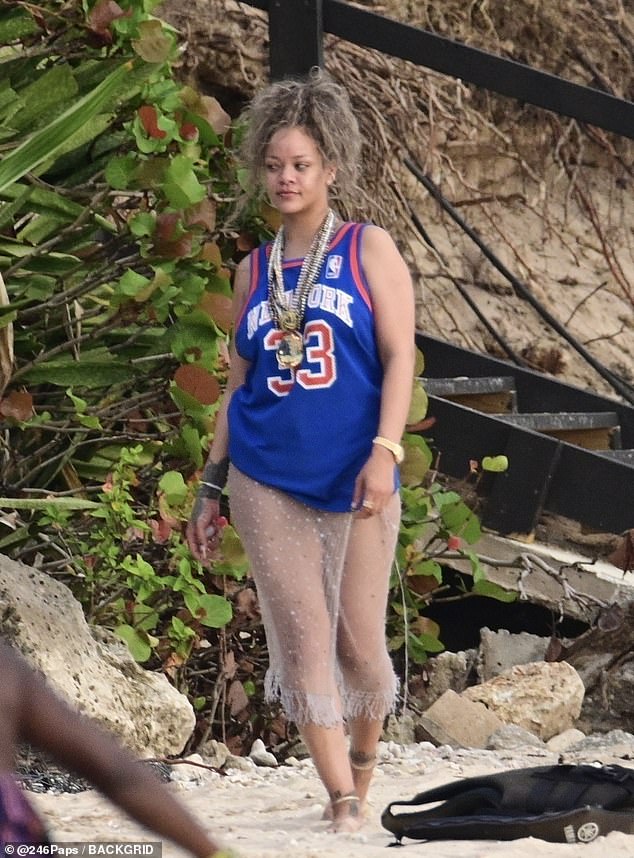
(289, 320)
(290, 350)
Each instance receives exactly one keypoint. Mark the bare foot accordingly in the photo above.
(364, 811)
(362, 766)
(345, 814)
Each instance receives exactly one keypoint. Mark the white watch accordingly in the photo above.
(395, 449)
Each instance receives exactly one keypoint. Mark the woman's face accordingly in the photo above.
(296, 178)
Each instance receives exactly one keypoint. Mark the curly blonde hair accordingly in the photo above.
(321, 107)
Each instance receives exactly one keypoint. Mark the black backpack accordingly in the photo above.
(563, 804)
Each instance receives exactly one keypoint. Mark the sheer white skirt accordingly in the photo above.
(322, 580)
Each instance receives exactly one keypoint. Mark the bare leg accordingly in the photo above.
(366, 665)
(329, 751)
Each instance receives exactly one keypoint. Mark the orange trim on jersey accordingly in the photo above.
(254, 272)
(356, 269)
(334, 241)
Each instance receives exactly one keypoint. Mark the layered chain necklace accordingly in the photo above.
(287, 311)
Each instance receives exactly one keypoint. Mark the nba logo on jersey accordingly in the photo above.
(333, 266)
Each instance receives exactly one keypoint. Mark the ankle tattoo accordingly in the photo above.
(351, 797)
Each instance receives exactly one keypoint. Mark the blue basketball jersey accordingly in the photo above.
(308, 430)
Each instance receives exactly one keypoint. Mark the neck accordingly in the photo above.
(300, 231)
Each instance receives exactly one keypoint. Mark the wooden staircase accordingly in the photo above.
(570, 452)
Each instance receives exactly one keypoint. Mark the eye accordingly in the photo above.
(301, 166)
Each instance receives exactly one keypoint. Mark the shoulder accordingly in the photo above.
(378, 246)
(247, 265)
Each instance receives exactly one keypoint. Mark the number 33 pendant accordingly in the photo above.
(290, 350)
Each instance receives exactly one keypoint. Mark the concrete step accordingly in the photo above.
(598, 430)
(490, 394)
(624, 456)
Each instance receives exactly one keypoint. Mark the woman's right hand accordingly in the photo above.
(204, 529)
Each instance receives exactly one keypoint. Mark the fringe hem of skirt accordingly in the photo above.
(373, 706)
(322, 710)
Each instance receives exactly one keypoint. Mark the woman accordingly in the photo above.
(317, 398)
(31, 712)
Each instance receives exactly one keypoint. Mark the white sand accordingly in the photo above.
(275, 813)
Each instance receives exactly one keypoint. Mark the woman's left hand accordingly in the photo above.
(374, 485)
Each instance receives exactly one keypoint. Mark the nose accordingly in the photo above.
(286, 174)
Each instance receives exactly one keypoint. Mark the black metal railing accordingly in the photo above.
(296, 29)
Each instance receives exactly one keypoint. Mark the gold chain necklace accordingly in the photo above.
(287, 311)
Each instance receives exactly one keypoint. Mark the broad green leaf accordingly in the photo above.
(16, 24)
(192, 442)
(179, 630)
(90, 421)
(444, 498)
(84, 373)
(139, 642)
(210, 610)
(495, 464)
(173, 484)
(430, 643)
(154, 44)
(428, 567)
(181, 186)
(471, 532)
(454, 515)
(131, 283)
(231, 546)
(145, 617)
(419, 364)
(418, 405)
(142, 224)
(418, 459)
(493, 591)
(416, 649)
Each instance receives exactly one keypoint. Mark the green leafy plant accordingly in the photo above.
(438, 529)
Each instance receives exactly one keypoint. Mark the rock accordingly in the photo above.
(567, 739)
(262, 757)
(543, 697)
(602, 657)
(445, 671)
(457, 721)
(242, 764)
(90, 667)
(193, 775)
(511, 737)
(502, 650)
(400, 728)
(602, 748)
(215, 753)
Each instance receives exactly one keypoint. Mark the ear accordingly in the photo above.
(331, 176)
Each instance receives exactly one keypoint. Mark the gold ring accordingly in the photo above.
(367, 505)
